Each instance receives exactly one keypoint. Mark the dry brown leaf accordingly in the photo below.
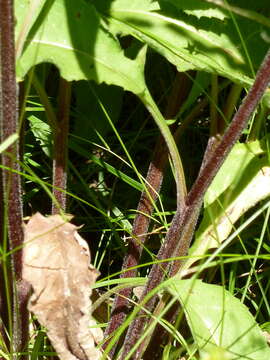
(57, 265)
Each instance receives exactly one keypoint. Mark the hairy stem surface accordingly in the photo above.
(154, 179)
(10, 180)
(181, 231)
(60, 147)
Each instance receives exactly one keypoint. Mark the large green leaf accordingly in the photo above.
(219, 322)
(71, 35)
(242, 181)
(192, 36)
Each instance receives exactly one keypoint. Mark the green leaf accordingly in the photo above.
(74, 37)
(241, 165)
(199, 8)
(71, 35)
(254, 10)
(219, 322)
(242, 181)
(29, 15)
(42, 133)
(206, 43)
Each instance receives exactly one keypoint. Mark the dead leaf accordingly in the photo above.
(56, 262)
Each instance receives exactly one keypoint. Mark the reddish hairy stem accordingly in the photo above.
(181, 231)
(140, 228)
(154, 178)
(11, 181)
(159, 334)
(216, 157)
(233, 133)
(60, 147)
(9, 126)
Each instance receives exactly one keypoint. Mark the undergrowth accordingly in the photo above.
(175, 210)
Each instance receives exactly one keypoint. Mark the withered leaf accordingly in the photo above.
(56, 262)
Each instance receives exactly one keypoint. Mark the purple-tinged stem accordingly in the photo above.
(160, 333)
(154, 179)
(178, 238)
(12, 194)
(233, 133)
(139, 233)
(61, 147)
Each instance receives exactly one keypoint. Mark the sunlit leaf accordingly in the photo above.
(205, 39)
(242, 181)
(219, 322)
(71, 35)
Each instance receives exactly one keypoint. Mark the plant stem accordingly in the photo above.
(230, 104)
(11, 181)
(186, 216)
(60, 147)
(154, 181)
(140, 227)
(233, 133)
(181, 190)
(216, 158)
(160, 334)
